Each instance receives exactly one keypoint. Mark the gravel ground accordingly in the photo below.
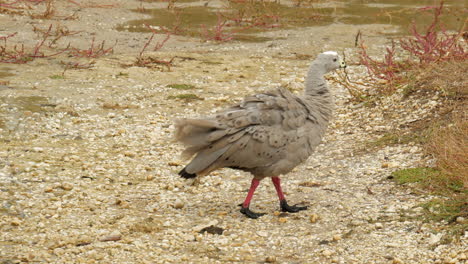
(88, 167)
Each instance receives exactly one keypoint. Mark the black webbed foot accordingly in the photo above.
(246, 211)
(285, 207)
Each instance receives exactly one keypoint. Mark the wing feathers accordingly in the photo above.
(264, 121)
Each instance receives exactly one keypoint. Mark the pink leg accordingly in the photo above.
(253, 187)
(277, 182)
(245, 206)
(283, 204)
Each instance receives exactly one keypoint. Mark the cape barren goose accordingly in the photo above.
(267, 134)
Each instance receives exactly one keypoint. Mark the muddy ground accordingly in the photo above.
(88, 167)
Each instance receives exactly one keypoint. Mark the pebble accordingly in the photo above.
(270, 259)
(130, 154)
(327, 253)
(179, 204)
(378, 225)
(66, 186)
(114, 236)
(282, 219)
(337, 237)
(16, 222)
(313, 218)
(38, 149)
(435, 238)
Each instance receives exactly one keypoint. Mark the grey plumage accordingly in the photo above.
(267, 134)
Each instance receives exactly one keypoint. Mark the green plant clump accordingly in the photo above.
(188, 97)
(412, 175)
(57, 77)
(181, 86)
(452, 198)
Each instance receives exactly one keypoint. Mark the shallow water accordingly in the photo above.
(5, 72)
(26, 103)
(200, 20)
(15, 106)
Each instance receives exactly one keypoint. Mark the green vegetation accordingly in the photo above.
(430, 178)
(451, 203)
(393, 138)
(412, 175)
(55, 77)
(181, 86)
(431, 65)
(187, 97)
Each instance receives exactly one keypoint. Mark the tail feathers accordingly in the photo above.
(184, 174)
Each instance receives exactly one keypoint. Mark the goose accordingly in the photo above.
(267, 134)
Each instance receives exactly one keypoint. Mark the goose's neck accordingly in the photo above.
(315, 83)
(317, 94)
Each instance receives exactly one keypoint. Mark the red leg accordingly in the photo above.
(277, 182)
(245, 206)
(253, 187)
(283, 204)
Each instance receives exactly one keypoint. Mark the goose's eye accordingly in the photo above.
(334, 59)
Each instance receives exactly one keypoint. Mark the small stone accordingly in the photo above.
(460, 219)
(262, 233)
(15, 222)
(149, 177)
(313, 218)
(270, 259)
(129, 154)
(378, 225)
(59, 251)
(435, 238)
(66, 186)
(453, 254)
(448, 260)
(337, 237)
(397, 261)
(212, 230)
(114, 236)
(462, 256)
(178, 205)
(48, 189)
(173, 163)
(282, 219)
(327, 253)
(38, 149)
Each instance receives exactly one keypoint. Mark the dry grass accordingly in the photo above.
(447, 129)
(448, 142)
(449, 145)
(449, 78)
